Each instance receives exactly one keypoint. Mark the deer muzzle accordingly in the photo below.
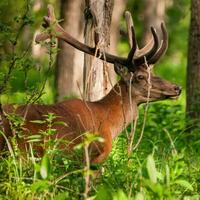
(175, 92)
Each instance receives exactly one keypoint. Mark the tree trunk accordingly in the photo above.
(97, 74)
(69, 60)
(154, 14)
(193, 67)
(118, 10)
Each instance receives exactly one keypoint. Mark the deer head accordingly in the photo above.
(135, 70)
(142, 81)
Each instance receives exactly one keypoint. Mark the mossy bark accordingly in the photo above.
(193, 67)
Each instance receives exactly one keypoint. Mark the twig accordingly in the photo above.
(67, 174)
(87, 172)
(131, 137)
(146, 107)
(131, 147)
(133, 127)
(34, 97)
(174, 151)
(13, 57)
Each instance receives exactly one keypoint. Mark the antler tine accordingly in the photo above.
(131, 38)
(48, 20)
(144, 49)
(163, 47)
(149, 54)
(133, 49)
(41, 37)
(130, 25)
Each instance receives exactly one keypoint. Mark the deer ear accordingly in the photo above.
(122, 72)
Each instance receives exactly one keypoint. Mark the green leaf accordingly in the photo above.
(151, 168)
(51, 131)
(193, 197)
(120, 195)
(155, 187)
(78, 146)
(167, 175)
(103, 193)
(34, 138)
(61, 123)
(91, 137)
(184, 184)
(62, 196)
(160, 176)
(45, 167)
(50, 117)
(38, 121)
(37, 167)
(40, 186)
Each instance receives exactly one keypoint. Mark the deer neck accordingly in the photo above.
(120, 108)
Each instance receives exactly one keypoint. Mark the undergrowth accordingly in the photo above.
(164, 166)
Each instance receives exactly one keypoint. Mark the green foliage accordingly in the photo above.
(165, 166)
(159, 168)
(22, 78)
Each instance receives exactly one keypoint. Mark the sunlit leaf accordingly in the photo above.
(62, 196)
(34, 138)
(45, 167)
(120, 195)
(61, 123)
(184, 184)
(167, 175)
(78, 146)
(160, 176)
(38, 121)
(91, 137)
(139, 196)
(151, 168)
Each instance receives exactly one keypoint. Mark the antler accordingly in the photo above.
(163, 47)
(152, 51)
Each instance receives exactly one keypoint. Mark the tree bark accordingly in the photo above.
(154, 14)
(193, 66)
(69, 60)
(97, 74)
(118, 10)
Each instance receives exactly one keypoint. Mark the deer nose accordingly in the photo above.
(177, 89)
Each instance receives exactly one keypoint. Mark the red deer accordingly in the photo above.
(108, 116)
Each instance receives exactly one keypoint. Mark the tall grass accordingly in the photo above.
(164, 166)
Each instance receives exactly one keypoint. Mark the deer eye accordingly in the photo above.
(140, 77)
